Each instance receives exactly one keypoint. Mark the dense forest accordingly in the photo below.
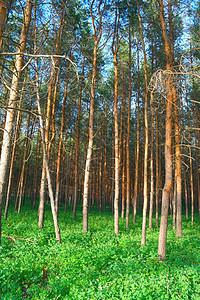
(99, 106)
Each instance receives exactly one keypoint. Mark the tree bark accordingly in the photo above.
(128, 185)
(97, 37)
(135, 196)
(76, 173)
(145, 188)
(168, 141)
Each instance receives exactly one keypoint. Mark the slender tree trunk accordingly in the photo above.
(186, 193)
(135, 196)
(60, 143)
(90, 143)
(191, 186)
(168, 142)
(116, 197)
(115, 48)
(5, 151)
(123, 158)
(151, 165)
(36, 171)
(128, 185)
(97, 37)
(178, 169)
(145, 189)
(16, 136)
(157, 173)
(46, 166)
(50, 115)
(3, 10)
(76, 173)
(105, 172)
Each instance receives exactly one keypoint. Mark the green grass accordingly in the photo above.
(96, 265)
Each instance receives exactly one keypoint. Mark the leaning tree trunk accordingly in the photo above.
(49, 117)
(46, 163)
(5, 151)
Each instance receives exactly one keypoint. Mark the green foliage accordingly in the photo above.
(96, 265)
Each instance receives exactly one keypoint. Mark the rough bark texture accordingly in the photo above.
(3, 7)
(168, 142)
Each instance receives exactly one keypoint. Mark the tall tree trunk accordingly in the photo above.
(115, 48)
(5, 151)
(105, 171)
(191, 186)
(135, 196)
(16, 136)
(123, 147)
(168, 141)
(151, 165)
(145, 189)
(157, 173)
(76, 173)
(3, 10)
(97, 37)
(60, 143)
(128, 185)
(186, 193)
(178, 169)
(46, 165)
(36, 171)
(49, 115)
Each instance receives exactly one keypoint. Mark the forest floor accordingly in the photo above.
(96, 265)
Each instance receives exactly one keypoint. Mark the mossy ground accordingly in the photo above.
(97, 264)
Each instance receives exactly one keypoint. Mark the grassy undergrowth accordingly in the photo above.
(96, 265)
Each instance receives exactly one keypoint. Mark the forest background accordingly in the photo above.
(100, 110)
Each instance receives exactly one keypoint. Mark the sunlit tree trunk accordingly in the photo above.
(151, 165)
(97, 37)
(115, 48)
(16, 136)
(135, 196)
(128, 185)
(168, 141)
(3, 10)
(5, 151)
